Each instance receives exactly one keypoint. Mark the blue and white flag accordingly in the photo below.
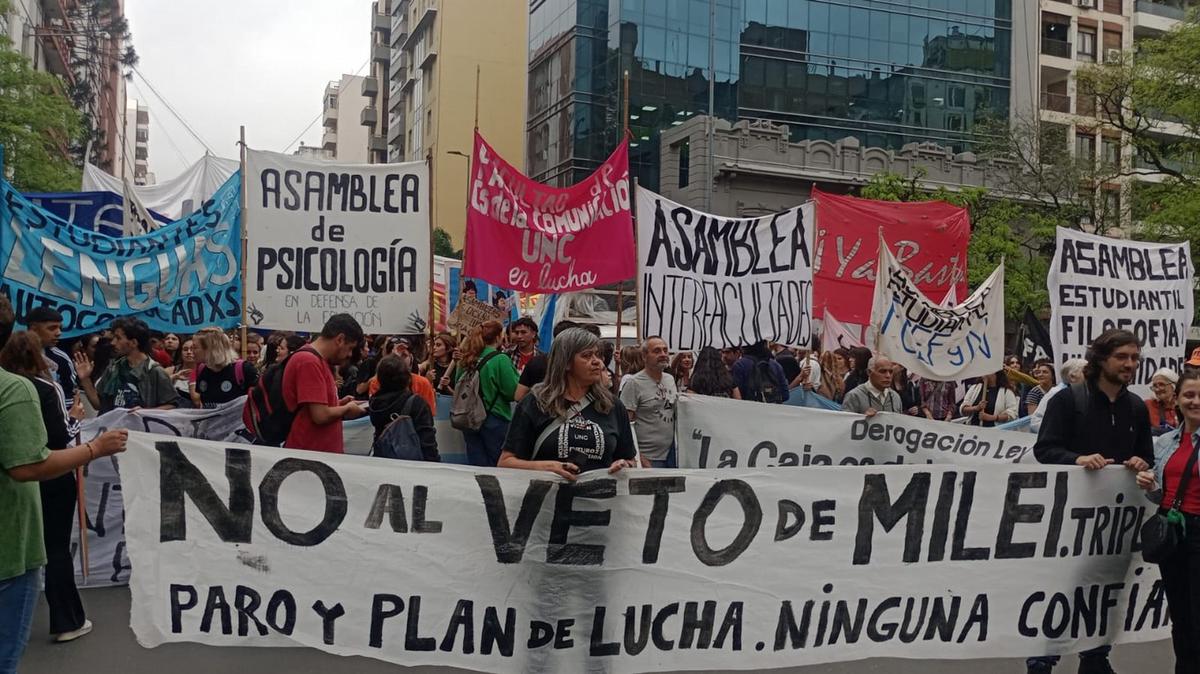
(182, 276)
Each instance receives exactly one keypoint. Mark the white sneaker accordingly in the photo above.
(74, 634)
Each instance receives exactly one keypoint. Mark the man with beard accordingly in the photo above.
(650, 397)
(1095, 424)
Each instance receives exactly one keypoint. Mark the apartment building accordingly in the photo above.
(375, 86)
(137, 144)
(345, 136)
(436, 50)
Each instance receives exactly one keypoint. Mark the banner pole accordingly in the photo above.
(621, 287)
(432, 301)
(477, 71)
(242, 216)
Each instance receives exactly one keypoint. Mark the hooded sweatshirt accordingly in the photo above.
(385, 404)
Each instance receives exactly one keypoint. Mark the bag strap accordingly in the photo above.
(558, 422)
(478, 369)
(1187, 476)
(239, 374)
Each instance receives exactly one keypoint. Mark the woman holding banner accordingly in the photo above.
(1175, 457)
(571, 423)
(990, 402)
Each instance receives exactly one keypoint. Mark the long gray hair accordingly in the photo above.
(551, 393)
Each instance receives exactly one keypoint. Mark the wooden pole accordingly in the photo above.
(81, 503)
(621, 288)
(242, 215)
(477, 72)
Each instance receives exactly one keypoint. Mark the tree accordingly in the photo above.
(443, 245)
(38, 127)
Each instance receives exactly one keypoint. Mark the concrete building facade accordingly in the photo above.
(344, 136)
(137, 143)
(437, 50)
(375, 86)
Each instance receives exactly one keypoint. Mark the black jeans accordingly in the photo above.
(58, 512)
(1181, 581)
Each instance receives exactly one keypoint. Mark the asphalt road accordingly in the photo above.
(111, 649)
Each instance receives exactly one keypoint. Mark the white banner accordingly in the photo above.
(648, 570)
(707, 280)
(934, 341)
(1097, 283)
(337, 238)
(723, 433)
(108, 563)
(175, 198)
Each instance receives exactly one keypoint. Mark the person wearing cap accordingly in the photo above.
(1193, 363)
(1164, 416)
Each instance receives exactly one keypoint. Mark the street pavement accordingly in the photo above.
(111, 649)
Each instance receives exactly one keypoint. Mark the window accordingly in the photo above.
(958, 96)
(1085, 146)
(685, 159)
(1087, 45)
(954, 122)
(1111, 149)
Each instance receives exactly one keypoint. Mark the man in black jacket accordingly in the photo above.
(1113, 427)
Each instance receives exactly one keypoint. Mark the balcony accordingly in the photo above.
(381, 23)
(330, 118)
(1053, 47)
(1056, 102)
(370, 87)
(428, 59)
(329, 140)
(376, 143)
(369, 116)
(1168, 10)
(422, 23)
(381, 53)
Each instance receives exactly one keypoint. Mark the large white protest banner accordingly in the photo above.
(514, 571)
(707, 280)
(935, 341)
(1097, 283)
(723, 433)
(331, 238)
(108, 563)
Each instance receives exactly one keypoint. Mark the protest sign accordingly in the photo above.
(928, 238)
(94, 211)
(108, 562)
(1097, 283)
(182, 276)
(515, 571)
(471, 313)
(722, 433)
(707, 280)
(931, 340)
(534, 238)
(1033, 341)
(330, 238)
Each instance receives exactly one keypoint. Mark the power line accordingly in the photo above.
(173, 111)
(320, 114)
(163, 128)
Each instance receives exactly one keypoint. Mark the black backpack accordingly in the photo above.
(763, 385)
(266, 415)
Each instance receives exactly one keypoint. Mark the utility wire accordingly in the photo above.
(163, 128)
(321, 113)
(173, 111)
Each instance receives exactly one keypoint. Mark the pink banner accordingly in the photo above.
(534, 238)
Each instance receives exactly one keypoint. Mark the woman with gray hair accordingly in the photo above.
(1164, 417)
(570, 423)
(1070, 373)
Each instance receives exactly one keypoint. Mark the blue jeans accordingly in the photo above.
(484, 446)
(18, 596)
(672, 460)
(1051, 660)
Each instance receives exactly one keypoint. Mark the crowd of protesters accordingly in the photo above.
(578, 407)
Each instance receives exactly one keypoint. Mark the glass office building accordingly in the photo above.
(888, 72)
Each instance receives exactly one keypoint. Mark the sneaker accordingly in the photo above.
(74, 634)
(1095, 665)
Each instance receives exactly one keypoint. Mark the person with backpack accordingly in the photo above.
(484, 385)
(759, 377)
(650, 397)
(1096, 424)
(219, 376)
(131, 380)
(571, 423)
(395, 404)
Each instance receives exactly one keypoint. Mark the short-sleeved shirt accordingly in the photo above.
(307, 379)
(534, 372)
(591, 439)
(24, 443)
(654, 403)
(221, 386)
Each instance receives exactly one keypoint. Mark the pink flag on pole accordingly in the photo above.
(835, 335)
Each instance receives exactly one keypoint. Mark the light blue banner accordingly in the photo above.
(183, 276)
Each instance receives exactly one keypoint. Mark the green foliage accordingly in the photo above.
(38, 126)
(443, 245)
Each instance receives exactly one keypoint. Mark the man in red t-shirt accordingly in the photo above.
(310, 392)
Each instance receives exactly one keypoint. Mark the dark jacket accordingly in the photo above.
(384, 405)
(1117, 430)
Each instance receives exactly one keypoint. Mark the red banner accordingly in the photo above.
(534, 238)
(928, 238)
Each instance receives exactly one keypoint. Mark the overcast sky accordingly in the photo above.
(224, 63)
